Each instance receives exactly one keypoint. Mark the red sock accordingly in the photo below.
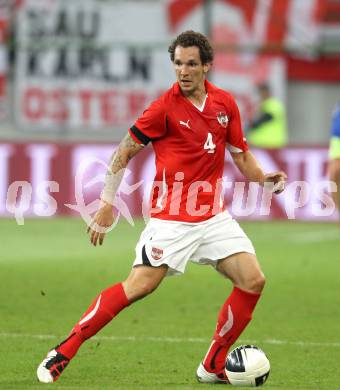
(106, 306)
(234, 316)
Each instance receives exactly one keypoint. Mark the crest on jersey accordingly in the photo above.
(156, 253)
(222, 119)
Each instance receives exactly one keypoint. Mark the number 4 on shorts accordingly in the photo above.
(209, 144)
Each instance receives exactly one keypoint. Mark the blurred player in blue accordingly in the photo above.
(334, 154)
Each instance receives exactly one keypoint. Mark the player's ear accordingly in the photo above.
(206, 67)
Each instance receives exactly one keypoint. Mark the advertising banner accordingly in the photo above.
(76, 67)
(5, 13)
(97, 65)
(46, 180)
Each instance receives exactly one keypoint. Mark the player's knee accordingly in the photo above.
(145, 288)
(142, 281)
(256, 283)
(138, 290)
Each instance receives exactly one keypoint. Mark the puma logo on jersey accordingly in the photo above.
(185, 123)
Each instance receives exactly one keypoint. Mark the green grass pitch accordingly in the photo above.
(50, 274)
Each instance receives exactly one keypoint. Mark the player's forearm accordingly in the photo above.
(127, 149)
(249, 167)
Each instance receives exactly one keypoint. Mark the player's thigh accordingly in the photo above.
(143, 280)
(244, 270)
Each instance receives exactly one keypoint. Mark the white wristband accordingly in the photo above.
(112, 182)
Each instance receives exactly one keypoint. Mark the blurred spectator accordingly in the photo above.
(268, 129)
(334, 154)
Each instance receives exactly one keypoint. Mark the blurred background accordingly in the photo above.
(75, 75)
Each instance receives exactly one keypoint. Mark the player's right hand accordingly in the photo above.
(278, 179)
(100, 223)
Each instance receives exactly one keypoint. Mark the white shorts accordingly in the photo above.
(175, 243)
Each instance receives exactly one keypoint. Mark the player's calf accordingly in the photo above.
(106, 306)
(233, 317)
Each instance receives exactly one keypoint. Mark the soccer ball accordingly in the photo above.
(247, 365)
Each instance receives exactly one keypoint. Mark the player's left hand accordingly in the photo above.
(101, 221)
(278, 179)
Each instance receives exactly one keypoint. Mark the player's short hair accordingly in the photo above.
(192, 38)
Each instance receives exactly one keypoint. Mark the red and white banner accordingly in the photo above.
(45, 180)
(80, 66)
(97, 65)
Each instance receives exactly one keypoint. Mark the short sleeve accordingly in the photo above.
(151, 124)
(236, 141)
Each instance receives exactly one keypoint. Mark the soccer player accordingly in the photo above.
(334, 154)
(189, 126)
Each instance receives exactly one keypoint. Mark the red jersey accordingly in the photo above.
(189, 145)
